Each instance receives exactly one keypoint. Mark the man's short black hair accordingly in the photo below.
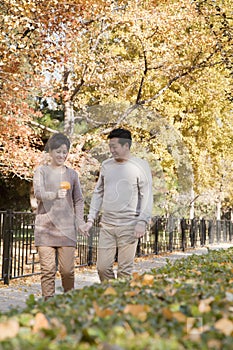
(123, 135)
(56, 141)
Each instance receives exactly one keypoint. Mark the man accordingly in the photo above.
(124, 192)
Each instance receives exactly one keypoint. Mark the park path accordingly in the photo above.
(16, 294)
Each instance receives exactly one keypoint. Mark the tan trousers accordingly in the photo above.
(47, 256)
(111, 240)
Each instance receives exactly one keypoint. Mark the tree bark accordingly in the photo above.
(218, 211)
(192, 208)
(68, 118)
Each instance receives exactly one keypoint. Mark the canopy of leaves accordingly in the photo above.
(159, 68)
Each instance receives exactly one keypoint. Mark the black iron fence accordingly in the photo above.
(19, 258)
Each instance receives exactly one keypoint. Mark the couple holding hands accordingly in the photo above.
(123, 196)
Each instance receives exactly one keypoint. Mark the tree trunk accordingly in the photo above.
(218, 211)
(68, 118)
(192, 208)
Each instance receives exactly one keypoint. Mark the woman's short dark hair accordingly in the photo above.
(123, 135)
(56, 141)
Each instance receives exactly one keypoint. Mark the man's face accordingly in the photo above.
(119, 152)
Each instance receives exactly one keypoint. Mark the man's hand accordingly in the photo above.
(140, 229)
(84, 228)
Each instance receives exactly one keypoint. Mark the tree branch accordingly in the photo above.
(77, 88)
(201, 65)
(162, 90)
(32, 122)
(88, 119)
(94, 47)
(144, 74)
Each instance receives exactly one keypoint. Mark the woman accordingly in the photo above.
(59, 215)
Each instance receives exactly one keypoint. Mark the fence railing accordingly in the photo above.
(19, 258)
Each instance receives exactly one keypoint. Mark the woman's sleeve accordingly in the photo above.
(39, 186)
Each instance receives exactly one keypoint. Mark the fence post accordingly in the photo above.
(202, 232)
(183, 236)
(225, 230)
(218, 230)
(230, 230)
(210, 232)
(193, 232)
(7, 245)
(156, 232)
(94, 232)
(170, 232)
(138, 251)
(90, 249)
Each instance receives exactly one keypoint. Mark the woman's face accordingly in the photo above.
(59, 155)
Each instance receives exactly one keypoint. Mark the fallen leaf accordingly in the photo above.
(132, 293)
(61, 329)
(197, 272)
(170, 290)
(148, 280)
(179, 316)
(137, 310)
(229, 295)
(190, 323)
(195, 336)
(204, 305)
(110, 291)
(136, 279)
(9, 329)
(135, 275)
(40, 322)
(225, 326)
(167, 313)
(214, 344)
(102, 312)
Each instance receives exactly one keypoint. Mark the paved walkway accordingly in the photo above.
(16, 294)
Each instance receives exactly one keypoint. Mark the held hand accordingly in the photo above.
(61, 193)
(140, 229)
(88, 226)
(84, 229)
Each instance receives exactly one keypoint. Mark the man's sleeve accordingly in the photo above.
(97, 198)
(146, 193)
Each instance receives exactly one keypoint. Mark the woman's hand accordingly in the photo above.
(61, 193)
(84, 229)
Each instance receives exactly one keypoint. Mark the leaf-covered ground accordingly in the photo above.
(185, 305)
